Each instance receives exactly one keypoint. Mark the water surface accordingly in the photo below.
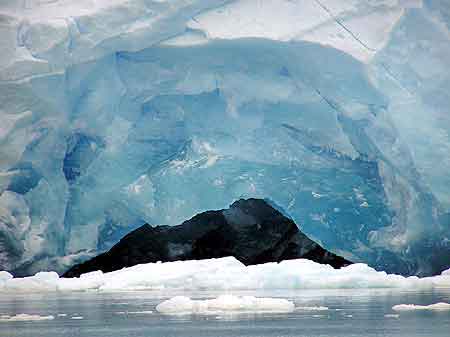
(362, 313)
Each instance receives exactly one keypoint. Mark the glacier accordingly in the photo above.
(119, 113)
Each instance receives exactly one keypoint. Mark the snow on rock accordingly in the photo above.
(225, 303)
(225, 274)
(412, 307)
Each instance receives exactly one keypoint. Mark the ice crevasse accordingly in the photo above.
(116, 113)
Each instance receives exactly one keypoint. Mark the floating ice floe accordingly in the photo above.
(311, 308)
(24, 318)
(224, 274)
(441, 306)
(144, 312)
(225, 304)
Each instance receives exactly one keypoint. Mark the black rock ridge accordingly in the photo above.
(251, 230)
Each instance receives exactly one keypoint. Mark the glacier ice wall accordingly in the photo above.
(117, 113)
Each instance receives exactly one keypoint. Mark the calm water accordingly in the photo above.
(351, 313)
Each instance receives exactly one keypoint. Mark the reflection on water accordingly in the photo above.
(361, 313)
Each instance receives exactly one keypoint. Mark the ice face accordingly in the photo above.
(119, 113)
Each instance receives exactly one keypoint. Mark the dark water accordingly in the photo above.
(359, 313)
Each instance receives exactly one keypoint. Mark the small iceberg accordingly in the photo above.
(25, 318)
(411, 307)
(180, 305)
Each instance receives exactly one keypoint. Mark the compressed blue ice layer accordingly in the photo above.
(357, 154)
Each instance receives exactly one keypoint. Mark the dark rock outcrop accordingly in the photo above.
(250, 230)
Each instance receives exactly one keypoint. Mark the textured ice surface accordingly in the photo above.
(116, 113)
(180, 305)
(441, 306)
(225, 274)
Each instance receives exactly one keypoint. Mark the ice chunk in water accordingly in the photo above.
(25, 318)
(224, 303)
(441, 306)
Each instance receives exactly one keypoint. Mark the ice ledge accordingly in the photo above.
(43, 37)
(355, 27)
(223, 274)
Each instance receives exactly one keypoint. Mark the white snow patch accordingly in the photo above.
(441, 306)
(25, 318)
(225, 303)
(5, 276)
